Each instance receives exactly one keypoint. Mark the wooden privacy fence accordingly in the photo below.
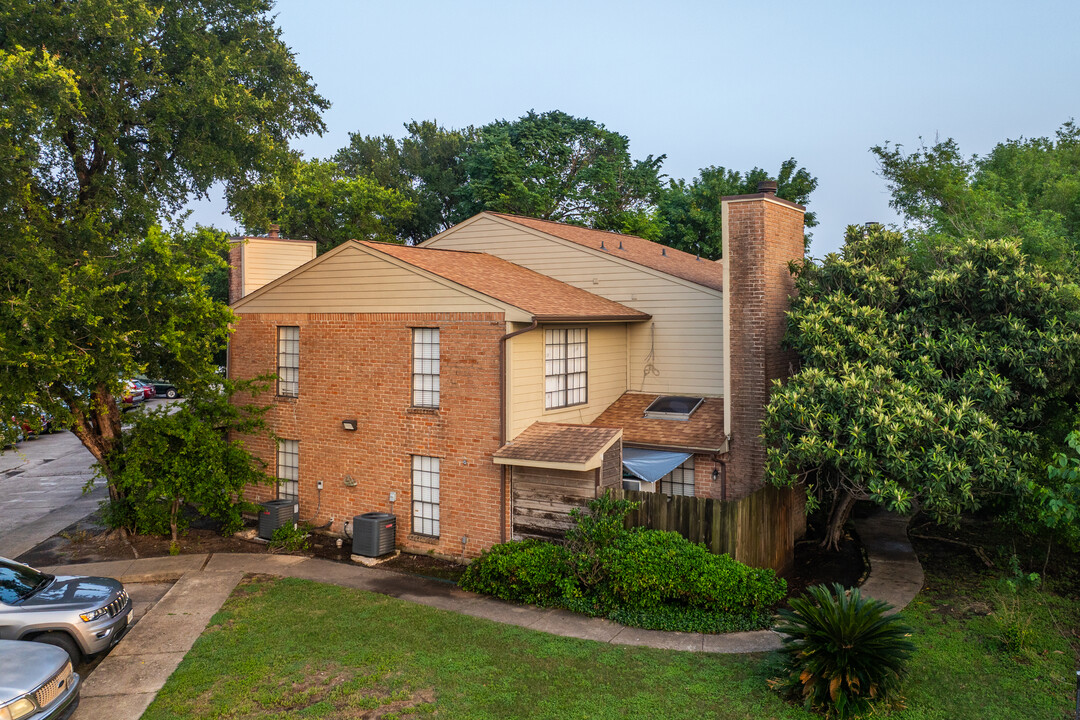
(756, 530)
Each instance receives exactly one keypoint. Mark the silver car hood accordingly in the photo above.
(26, 665)
(75, 593)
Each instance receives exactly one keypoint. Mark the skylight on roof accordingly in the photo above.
(673, 407)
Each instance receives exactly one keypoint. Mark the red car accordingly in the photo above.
(147, 389)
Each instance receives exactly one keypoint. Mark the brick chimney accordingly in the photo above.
(257, 261)
(761, 235)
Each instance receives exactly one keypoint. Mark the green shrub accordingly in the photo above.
(532, 572)
(651, 568)
(290, 538)
(645, 578)
(841, 651)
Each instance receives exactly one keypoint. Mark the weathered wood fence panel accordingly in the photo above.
(756, 530)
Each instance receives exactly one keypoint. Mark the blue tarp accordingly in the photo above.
(651, 465)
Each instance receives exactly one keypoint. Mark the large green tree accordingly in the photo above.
(689, 213)
(943, 383)
(1028, 189)
(314, 200)
(426, 167)
(114, 114)
(554, 166)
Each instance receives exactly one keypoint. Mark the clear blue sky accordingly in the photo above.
(707, 83)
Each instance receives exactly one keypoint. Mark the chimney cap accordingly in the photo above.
(767, 186)
(274, 230)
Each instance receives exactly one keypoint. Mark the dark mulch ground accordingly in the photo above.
(814, 565)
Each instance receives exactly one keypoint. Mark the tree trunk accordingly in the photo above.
(174, 509)
(841, 510)
(100, 432)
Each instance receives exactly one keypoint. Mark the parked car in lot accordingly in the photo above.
(81, 615)
(37, 682)
(146, 388)
(130, 394)
(33, 420)
(163, 388)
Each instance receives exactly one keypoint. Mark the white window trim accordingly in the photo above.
(288, 485)
(426, 367)
(426, 481)
(288, 361)
(559, 346)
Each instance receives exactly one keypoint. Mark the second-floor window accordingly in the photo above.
(566, 369)
(288, 361)
(425, 379)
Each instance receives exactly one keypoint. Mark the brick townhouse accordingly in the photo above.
(484, 383)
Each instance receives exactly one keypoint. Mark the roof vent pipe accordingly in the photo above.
(602, 245)
(767, 186)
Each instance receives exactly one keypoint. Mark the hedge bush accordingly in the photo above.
(645, 578)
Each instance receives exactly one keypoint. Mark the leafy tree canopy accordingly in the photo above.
(314, 200)
(554, 166)
(114, 113)
(425, 167)
(1028, 189)
(942, 383)
(689, 213)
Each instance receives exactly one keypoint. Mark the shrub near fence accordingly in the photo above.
(756, 530)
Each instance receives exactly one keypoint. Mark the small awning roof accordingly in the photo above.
(651, 465)
(558, 446)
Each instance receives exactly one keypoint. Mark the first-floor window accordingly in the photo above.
(679, 481)
(425, 495)
(288, 469)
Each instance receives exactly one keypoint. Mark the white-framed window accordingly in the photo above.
(566, 367)
(288, 363)
(288, 469)
(679, 481)
(425, 495)
(425, 360)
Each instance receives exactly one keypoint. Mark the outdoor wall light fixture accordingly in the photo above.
(349, 425)
(715, 474)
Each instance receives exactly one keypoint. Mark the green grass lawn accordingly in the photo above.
(297, 649)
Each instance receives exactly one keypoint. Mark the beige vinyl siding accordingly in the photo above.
(685, 335)
(358, 281)
(267, 260)
(525, 375)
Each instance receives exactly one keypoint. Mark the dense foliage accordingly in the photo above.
(689, 213)
(1028, 189)
(943, 383)
(179, 456)
(113, 114)
(547, 165)
(645, 578)
(841, 651)
(315, 200)
(1054, 502)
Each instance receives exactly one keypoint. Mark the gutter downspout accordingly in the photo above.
(502, 419)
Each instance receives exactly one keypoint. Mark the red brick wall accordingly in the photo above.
(611, 469)
(763, 237)
(357, 366)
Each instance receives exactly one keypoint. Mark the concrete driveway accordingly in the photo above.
(41, 490)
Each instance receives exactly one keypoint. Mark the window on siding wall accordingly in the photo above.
(566, 368)
(425, 379)
(288, 362)
(425, 495)
(679, 481)
(288, 469)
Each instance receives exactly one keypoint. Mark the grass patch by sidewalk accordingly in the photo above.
(292, 648)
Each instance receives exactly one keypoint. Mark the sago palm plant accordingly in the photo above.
(842, 651)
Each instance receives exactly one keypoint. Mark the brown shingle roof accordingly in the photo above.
(703, 431)
(639, 250)
(544, 297)
(557, 443)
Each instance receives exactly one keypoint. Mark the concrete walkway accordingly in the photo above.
(127, 680)
(896, 576)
